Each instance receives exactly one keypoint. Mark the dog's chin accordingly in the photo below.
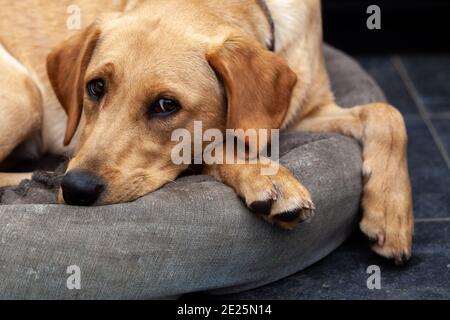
(105, 200)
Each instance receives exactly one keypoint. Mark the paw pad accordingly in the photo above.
(288, 216)
(262, 207)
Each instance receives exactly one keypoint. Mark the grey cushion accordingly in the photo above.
(194, 234)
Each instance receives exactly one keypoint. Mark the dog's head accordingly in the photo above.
(129, 82)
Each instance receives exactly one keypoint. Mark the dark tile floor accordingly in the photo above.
(419, 86)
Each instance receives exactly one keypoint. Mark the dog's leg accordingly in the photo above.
(12, 179)
(387, 201)
(20, 109)
(279, 197)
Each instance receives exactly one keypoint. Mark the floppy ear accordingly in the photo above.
(258, 83)
(66, 67)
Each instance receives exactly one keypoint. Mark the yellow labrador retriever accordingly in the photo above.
(139, 69)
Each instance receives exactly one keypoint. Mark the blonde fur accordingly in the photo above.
(148, 46)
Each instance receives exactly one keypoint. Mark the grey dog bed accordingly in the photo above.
(193, 235)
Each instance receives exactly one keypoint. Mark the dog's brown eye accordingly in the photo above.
(164, 107)
(96, 89)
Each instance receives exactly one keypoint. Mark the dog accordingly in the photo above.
(110, 94)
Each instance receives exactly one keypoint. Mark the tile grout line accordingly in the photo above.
(401, 69)
(432, 220)
(440, 115)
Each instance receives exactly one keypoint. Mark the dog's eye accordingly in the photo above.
(164, 107)
(96, 89)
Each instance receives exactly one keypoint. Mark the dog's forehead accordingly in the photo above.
(150, 41)
(149, 50)
(168, 30)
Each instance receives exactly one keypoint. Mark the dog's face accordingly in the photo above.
(130, 82)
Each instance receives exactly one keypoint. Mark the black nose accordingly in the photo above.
(81, 188)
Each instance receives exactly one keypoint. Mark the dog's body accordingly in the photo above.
(222, 40)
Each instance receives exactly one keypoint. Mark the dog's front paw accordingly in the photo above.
(392, 240)
(388, 218)
(280, 199)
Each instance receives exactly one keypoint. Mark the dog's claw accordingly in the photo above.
(402, 260)
(380, 238)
